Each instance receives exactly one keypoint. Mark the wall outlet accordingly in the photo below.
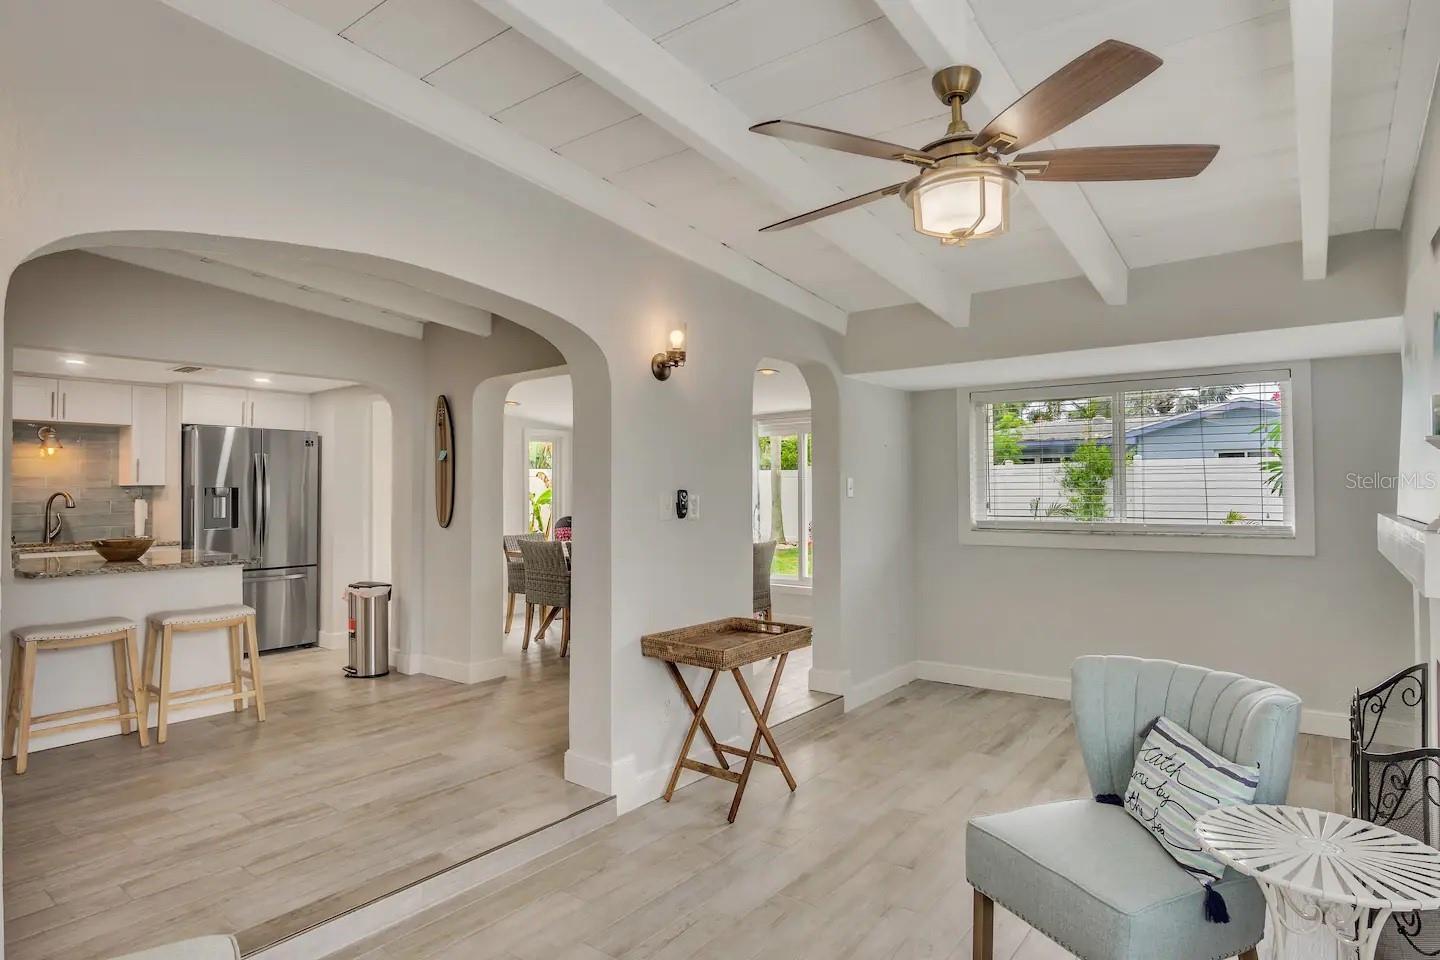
(694, 507)
(850, 487)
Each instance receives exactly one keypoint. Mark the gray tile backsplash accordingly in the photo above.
(86, 467)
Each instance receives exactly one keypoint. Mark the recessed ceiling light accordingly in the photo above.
(75, 361)
(261, 379)
(512, 403)
(767, 371)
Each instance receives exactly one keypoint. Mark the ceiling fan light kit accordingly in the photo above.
(963, 190)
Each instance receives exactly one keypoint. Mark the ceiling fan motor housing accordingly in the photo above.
(956, 83)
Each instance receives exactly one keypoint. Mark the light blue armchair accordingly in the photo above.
(1087, 875)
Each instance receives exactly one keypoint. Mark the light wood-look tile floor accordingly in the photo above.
(794, 696)
(865, 861)
(351, 788)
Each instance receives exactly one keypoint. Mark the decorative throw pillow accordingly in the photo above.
(1175, 781)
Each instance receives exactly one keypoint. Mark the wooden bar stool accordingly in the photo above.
(238, 621)
(129, 702)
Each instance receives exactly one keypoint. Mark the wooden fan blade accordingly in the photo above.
(1091, 79)
(1158, 161)
(849, 204)
(838, 140)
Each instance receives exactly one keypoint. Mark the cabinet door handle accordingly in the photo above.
(52, 403)
(64, 404)
(137, 471)
(242, 413)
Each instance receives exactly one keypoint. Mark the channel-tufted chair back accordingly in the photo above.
(1114, 699)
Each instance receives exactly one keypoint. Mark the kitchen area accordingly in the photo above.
(216, 486)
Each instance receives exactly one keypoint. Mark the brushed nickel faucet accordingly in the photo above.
(52, 516)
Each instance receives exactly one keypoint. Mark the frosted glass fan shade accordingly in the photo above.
(962, 204)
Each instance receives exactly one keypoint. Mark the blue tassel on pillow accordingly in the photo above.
(1215, 909)
(1113, 799)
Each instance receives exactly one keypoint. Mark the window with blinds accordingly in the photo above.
(1205, 454)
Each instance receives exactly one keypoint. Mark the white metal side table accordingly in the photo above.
(1324, 871)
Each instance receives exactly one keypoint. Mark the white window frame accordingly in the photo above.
(784, 425)
(1297, 538)
(557, 491)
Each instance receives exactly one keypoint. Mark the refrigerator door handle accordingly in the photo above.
(265, 529)
(192, 436)
(257, 549)
(283, 576)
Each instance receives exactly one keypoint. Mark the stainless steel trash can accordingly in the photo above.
(369, 624)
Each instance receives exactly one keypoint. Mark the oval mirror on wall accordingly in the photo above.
(444, 462)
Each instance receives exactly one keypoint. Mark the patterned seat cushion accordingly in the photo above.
(228, 611)
(73, 631)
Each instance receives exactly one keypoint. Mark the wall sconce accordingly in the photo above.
(50, 442)
(674, 356)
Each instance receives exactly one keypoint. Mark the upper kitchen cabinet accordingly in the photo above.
(70, 401)
(143, 448)
(34, 398)
(233, 407)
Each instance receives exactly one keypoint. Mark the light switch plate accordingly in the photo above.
(849, 486)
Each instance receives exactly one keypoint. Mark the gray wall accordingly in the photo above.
(1320, 625)
(1257, 289)
(86, 467)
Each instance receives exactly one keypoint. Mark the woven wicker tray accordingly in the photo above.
(725, 644)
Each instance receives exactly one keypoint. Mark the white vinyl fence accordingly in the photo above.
(789, 502)
(1182, 490)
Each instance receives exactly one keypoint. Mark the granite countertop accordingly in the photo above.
(35, 566)
(31, 547)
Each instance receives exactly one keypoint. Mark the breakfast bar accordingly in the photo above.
(73, 583)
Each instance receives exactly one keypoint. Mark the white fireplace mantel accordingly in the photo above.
(1415, 552)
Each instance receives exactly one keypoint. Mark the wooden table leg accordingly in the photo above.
(695, 723)
(545, 623)
(762, 731)
(704, 725)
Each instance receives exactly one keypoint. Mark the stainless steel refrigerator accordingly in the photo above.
(256, 493)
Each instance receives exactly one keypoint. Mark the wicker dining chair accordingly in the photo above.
(764, 558)
(514, 571)
(547, 584)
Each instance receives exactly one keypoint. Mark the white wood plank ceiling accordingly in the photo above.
(1228, 79)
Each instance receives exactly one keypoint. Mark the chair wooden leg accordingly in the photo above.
(252, 638)
(984, 932)
(12, 700)
(147, 671)
(117, 651)
(137, 688)
(27, 699)
(237, 683)
(565, 633)
(162, 720)
(529, 621)
(509, 613)
(549, 618)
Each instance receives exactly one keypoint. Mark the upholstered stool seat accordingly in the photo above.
(206, 615)
(1089, 877)
(238, 622)
(129, 705)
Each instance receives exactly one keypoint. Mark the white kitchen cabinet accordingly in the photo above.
(143, 447)
(218, 406)
(279, 411)
(95, 401)
(34, 398)
(70, 401)
(233, 407)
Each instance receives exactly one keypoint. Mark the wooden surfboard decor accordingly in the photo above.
(444, 462)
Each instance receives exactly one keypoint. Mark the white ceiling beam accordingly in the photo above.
(596, 40)
(190, 266)
(1312, 40)
(1419, 60)
(943, 33)
(349, 285)
(292, 39)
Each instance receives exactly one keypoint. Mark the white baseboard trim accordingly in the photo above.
(863, 692)
(830, 681)
(365, 921)
(334, 640)
(1323, 723)
(1035, 685)
(598, 775)
(406, 663)
(63, 738)
(460, 672)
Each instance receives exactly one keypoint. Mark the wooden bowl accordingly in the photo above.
(122, 549)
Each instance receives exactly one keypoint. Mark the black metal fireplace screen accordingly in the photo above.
(1396, 785)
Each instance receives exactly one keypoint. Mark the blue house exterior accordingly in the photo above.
(1220, 430)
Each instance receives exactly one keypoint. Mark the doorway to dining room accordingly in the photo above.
(537, 464)
(782, 520)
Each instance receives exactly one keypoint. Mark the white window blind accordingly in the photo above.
(1206, 454)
